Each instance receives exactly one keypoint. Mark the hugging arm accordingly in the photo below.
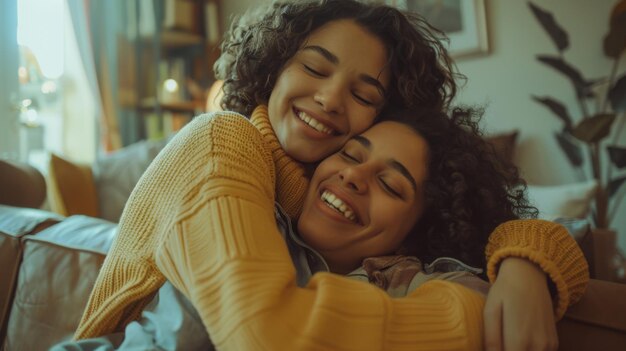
(519, 313)
(550, 247)
(225, 253)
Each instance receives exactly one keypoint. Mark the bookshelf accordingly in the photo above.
(166, 62)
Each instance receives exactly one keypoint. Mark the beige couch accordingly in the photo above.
(50, 262)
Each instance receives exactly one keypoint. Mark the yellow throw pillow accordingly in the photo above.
(72, 188)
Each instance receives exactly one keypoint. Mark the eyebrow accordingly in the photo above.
(393, 163)
(332, 58)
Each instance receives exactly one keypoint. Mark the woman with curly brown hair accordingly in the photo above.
(202, 215)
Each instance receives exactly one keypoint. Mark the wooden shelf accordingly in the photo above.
(176, 107)
(171, 39)
(180, 47)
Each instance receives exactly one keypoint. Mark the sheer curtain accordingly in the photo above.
(96, 24)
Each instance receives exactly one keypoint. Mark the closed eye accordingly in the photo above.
(389, 189)
(312, 71)
(349, 157)
(362, 100)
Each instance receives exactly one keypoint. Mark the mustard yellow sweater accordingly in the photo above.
(202, 217)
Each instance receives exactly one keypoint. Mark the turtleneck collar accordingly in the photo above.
(291, 182)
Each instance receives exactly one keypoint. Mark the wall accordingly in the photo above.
(505, 79)
(234, 7)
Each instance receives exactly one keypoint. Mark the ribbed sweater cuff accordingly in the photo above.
(101, 317)
(548, 245)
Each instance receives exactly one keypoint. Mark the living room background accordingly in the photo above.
(502, 80)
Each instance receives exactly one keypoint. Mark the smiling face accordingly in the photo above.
(329, 91)
(363, 201)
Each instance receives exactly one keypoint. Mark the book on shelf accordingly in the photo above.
(147, 20)
(179, 15)
(153, 125)
(162, 127)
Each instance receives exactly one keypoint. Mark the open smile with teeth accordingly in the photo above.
(338, 205)
(313, 123)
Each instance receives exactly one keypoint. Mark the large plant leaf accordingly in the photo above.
(615, 40)
(555, 31)
(614, 43)
(617, 95)
(614, 185)
(619, 8)
(583, 87)
(617, 155)
(570, 148)
(557, 108)
(594, 129)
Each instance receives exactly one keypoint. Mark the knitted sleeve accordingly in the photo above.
(225, 253)
(548, 245)
(129, 277)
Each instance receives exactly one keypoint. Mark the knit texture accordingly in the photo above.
(550, 246)
(202, 217)
(129, 277)
(291, 182)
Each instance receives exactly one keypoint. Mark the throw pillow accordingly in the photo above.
(71, 188)
(569, 200)
(504, 144)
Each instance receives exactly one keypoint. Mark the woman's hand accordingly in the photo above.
(518, 312)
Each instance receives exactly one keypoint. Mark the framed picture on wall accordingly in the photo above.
(463, 21)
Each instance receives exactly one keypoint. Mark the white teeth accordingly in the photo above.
(315, 124)
(335, 203)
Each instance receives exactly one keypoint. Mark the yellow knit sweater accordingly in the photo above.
(202, 217)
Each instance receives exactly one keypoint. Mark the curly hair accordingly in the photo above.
(469, 190)
(258, 45)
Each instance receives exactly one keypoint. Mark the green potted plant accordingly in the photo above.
(600, 112)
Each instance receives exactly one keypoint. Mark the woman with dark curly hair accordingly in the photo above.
(460, 172)
(260, 43)
(201, 217)
(469, 192)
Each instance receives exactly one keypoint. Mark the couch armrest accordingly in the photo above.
(59, 267)
(15, 223)
(597, 321)
(21, 185)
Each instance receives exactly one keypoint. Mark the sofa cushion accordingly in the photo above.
(15, 223)
(59, 268)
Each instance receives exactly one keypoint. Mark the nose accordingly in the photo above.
(329, 96)
(354, 178)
